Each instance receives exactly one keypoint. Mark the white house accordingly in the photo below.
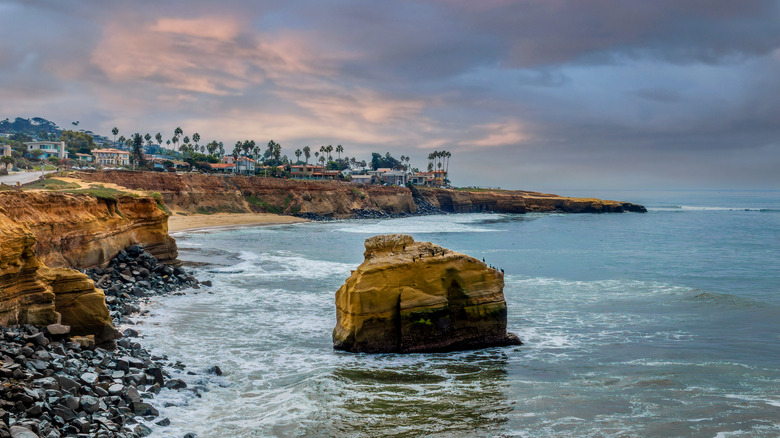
(245, 165)
(50, 148)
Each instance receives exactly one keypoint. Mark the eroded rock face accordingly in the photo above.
(78, 230)
(411, 296)
(32, 293)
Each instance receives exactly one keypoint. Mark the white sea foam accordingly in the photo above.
(466, 223)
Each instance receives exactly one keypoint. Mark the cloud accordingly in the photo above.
(554, 86)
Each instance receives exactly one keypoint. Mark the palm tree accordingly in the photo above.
(176, 134)
(167, 142)
(339, 150)
(186, 146)
(137, 152)
(322, 160)
(329, 149)
(148, 139)
(7, 161)
(196, 139)
(212, 147)
(115, 131)
(316, 156)
(158, 137)
(298, 153)
(122, 139)
(307, 153)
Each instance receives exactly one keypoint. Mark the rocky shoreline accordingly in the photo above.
(53, 385)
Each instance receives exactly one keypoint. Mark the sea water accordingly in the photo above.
(658, 324)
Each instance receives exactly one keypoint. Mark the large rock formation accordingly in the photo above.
(195, 193)
(83, 231)
(411, 296)
(31, 293)
(518, 201)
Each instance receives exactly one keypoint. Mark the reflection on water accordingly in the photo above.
(448, 394)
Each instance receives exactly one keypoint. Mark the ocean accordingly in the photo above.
(658, 324)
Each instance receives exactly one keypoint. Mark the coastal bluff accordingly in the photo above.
(411, 296)
(43, 234)
(196, 193)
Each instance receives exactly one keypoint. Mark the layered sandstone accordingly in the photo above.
(411, 296)
(84, 231)
(196, 193)
(32, 293)
(518, 201)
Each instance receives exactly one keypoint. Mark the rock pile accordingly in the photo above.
(56, 385)
(134, 274)
(57, 388)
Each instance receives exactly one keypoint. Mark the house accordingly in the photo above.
(363, 179)
(304, 170)
(164, 163)
(111, 157)
(223, 167)
(84, 158)
(50, 149)
(245, 165)
(389, 176)
(326, 174)
(434, 178)
(5, 150)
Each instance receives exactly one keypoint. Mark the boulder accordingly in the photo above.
(411, 296)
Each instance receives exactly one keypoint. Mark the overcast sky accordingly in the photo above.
(545, 95)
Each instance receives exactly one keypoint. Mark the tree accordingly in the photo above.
(76, 141)
(7, 161)
(322, 160)
(122, 140)
(158, 137)
(339, 150)
(196, 139)
(148, 139)
(115, 131)
(316, 156)
(329, 149)
(167, 142)
(186, 146)
(176, 134)
(138, 150)
(298, 154)
(307, 153)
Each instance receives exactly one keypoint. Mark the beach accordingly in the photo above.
(180, 222)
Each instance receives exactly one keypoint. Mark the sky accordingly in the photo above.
(527, 94)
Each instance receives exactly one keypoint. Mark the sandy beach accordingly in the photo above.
(179, 222)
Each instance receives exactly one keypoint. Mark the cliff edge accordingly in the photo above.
(411, 296)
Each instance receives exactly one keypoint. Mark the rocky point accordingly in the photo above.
(411, 296)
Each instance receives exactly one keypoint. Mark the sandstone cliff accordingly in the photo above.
(411, 296)
(517, 201)
(31, 293)
(195, 193)
(83, 231)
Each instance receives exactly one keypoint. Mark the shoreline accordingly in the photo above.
(193, 222)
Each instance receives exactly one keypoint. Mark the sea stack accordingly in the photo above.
(411, 296)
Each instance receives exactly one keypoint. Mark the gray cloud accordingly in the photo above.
(551, 87)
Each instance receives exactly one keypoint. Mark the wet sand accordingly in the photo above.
(190, 222)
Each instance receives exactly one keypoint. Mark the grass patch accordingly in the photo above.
(358, 194)
(265, 206)
(101, 192)
(158, 198)
(50, 184)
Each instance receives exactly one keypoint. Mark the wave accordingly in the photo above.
(462, 223)
(710, 208)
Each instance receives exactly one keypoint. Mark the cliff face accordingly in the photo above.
(197, 193)
(83, 231)
(516, 201)
(412, 296)
(217, 193)
(31, 293)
